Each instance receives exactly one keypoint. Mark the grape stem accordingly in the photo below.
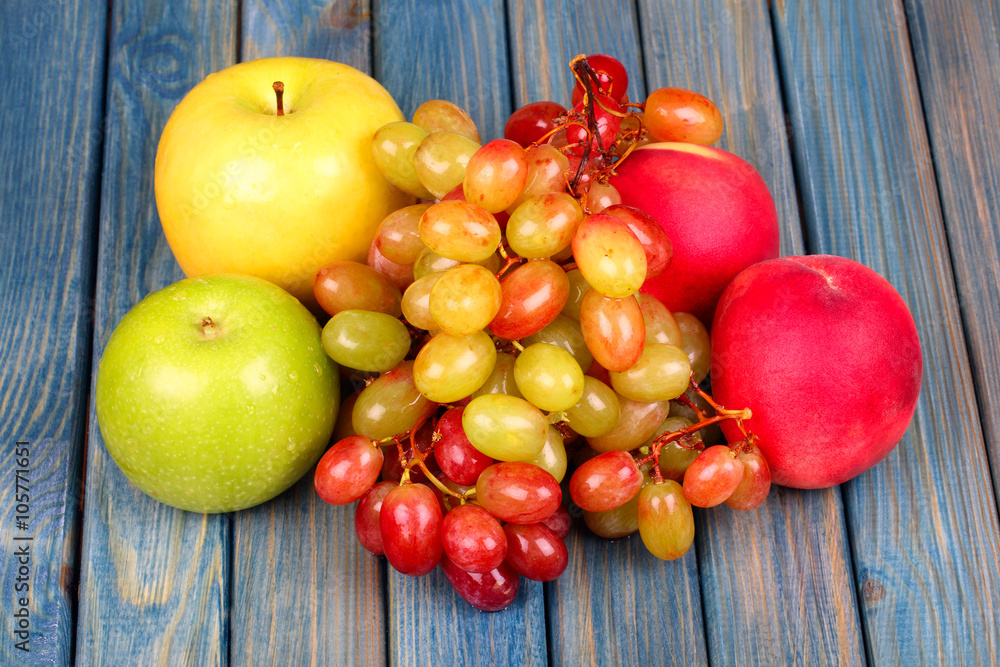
(647, 454)
(418, 457)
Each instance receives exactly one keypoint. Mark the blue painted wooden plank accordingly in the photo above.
(923, 524)
(957, 48)
(776, 582)
(53, 72)
(610, 606)
(447, 49)
(154, 580)
(544, 37)
(456, 51)
(304, 590)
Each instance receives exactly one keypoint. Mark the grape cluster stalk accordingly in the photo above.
(501, 336)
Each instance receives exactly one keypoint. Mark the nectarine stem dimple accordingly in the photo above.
(279, 93)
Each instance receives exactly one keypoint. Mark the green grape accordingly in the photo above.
(460, 231)
(544, 225)
(365, 340)
(441, 159)
(393, 147)
(505, 427)
(465, 299)
(661, 374)
(398, 237)
(674, 456)
(445, 116)
(609, 256)
(696, 343)
(548, 377)
(552, 458)
(501, 380)
(597, 412)
(496, 174)
(448, 367)
(666, 522)
(547, 168)
(391, 404)
(430, 262)
(564, 332)
(416, 303)
(578, 286)
(636, 422)
(661, 327)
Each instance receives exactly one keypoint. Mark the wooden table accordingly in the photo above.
(876, 126)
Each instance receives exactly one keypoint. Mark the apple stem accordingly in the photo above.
(279, 92)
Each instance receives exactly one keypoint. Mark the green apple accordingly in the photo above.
(242, 189)
(214, 394)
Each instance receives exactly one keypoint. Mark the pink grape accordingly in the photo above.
(495, 175)
(666, 522)
(518, 492)
(637, 421)
(613, 329)
(661, 327)
(532, 295)
(544, 225)
(756, 482)
(458, 459)
(397, 236)
(473, 539)
(600, 196)
(445, 116)
(605, 482)
(559, 522)
(490, 591)
(391, 404)
(347, 470)
(609, 256)
(712, 477)
(532, 121)
(535, 552)
(401, 275)
(696, 344)
(410, 525)
(654, 241)
(366, 522)
(346, 285)
(547, 168)
(459, 231)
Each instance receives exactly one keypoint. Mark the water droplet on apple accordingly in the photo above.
(250, 409)
(318, 370)
(262, 377)
(158, 340)
(293, 377)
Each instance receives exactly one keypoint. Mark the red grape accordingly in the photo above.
(756, 482)
(608, 123)
(610, 72)
(531, 297)
(712, 477)
(676, 114)
(605, 482)
(490, 591)
(535, 552)
(473, 539)
(366, 517)
(459, 460)
(518, 492)
(410, 526)
(495, 175)
(559, 522)
(348, 470)
(532, 121)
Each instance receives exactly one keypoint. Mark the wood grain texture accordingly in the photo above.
(923, 524)
(445, 49)
(304, 591)
(957, 47)
(53, 69)
(545, 36)
(776, 582)
(455, 51)
(154, 580)
(602, 609)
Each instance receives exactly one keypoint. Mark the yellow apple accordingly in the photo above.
(244, 185)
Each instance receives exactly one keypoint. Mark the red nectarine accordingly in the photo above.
(825, 354)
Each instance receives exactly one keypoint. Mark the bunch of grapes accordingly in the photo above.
(500, 333)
